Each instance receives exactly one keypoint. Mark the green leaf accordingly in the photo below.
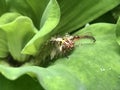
(49, 21)
(3, 7)
(31, 8)
(45, 76)
(118, 31)
(18, 32)
(73, 16)
(80, 12)
(116, 12)
(23, 83)
(38, 7)
(3, 45)
(4, 19)
(8, 17)
(91, 66)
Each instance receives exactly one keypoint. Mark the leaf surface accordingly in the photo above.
(90, 66)
(80, 12)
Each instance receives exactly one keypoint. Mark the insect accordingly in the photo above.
(64, 44)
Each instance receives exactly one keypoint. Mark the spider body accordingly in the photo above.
(64, 44)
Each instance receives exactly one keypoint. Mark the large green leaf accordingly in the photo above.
(75, 14)
(17, 33)
(49, 21)
(91, 66)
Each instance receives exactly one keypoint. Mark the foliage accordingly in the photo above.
(26, 26)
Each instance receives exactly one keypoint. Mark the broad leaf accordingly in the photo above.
(90, 66)
(75, 14)
(49, 21)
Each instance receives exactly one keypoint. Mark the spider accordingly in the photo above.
(65, 44)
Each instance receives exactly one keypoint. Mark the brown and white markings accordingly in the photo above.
(64, 44)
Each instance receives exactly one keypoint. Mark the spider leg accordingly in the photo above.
(85, 37)
(90, 37)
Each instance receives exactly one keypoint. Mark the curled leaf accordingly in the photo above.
(18, 33)
(49, 21)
